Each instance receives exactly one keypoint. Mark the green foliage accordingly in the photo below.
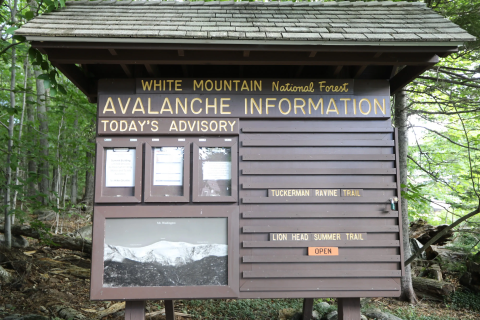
(239, 309)
(465, 300)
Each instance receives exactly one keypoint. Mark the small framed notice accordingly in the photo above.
(215, 170)
(168, 166)
(120, 167)
(119, 170)
(167, 170)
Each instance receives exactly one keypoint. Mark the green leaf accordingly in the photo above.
(29, 15)
(44, 65)
(32, 53)
(62, 3)
(44, 77)
(47, 83)
(39, 58)
(53, 92)
(19, 38)
(11, 30)
(61, 89)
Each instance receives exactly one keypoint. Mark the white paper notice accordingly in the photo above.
(168, 166)
(217, 170)
(120, 168)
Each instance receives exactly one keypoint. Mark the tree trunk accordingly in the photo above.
(401, 122)
(89, 181)
(42, 118)
(24, 103)
(31, 164)
(77, 244)
(74, 189)
(430, 288)
(8, 169)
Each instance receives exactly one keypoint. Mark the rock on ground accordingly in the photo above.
(45, 214)
(362, 317)
(332, 315)
(287, 314)
(85, 232)
(380, 315)
(17, 241)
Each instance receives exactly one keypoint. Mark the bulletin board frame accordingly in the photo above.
(102, 144)
(228, 142)
(231, 290)
(149, 188)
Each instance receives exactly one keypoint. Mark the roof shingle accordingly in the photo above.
(385, 21)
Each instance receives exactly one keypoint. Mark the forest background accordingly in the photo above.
(47, 130)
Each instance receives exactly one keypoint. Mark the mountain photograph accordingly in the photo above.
(128, 263)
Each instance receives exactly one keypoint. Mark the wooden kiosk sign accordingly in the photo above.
(242, 188)
(245, 149)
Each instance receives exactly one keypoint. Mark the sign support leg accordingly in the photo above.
(135, 310)
(169, 312)
(348, 308)
(307, 309)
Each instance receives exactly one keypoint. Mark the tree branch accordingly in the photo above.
(458, 144)
(449, 81)
(9, 46)
(440, 234)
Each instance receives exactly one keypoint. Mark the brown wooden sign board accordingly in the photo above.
(199, 179)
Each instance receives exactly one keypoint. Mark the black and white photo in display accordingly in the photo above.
(151, 252)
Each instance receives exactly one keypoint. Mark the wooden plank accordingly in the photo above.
(304, 244)
(135, 310)
(310, 171)
(169, 310)
(350, 284)
(321, 273)
(314, 200)
(348, 308)
(328, 229)
(318, 157)
(319, 259)
(313, 185)
(307, 309)
(317, 143)
(318, 129)
(407, 75)
(318, 214)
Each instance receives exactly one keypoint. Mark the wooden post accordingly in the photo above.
(135, 310)
(348, 308)
(169, 312)
(307, 309)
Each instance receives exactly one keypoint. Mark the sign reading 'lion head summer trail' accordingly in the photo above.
(245, 149)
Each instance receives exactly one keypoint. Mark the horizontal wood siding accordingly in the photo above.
(318, 154)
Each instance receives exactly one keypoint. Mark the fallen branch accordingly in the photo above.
(58, 267)
(112, 309)
(440, 234)
(76, 244)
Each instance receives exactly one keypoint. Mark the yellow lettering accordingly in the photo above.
(141, 125)
(369, 106)
(315, 107)
(178, 84)
(199, 85)
(289, 106)
(111, 125)
(295, 105)
(122, 127)
(332, 102)
(109, 102)
(206, 85)
(222, 124)
(204, 125)
(182, 125)
(169, 109)
(133, 126)
(179, 102)
(191, 105)
(147, 85)
(245, 85)
(231, 125)
(345, 100)
(375, 103)
(155, 124)
(253, 103)
(173, 126)
(214, 106)
(224, 105)
(104, 124)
